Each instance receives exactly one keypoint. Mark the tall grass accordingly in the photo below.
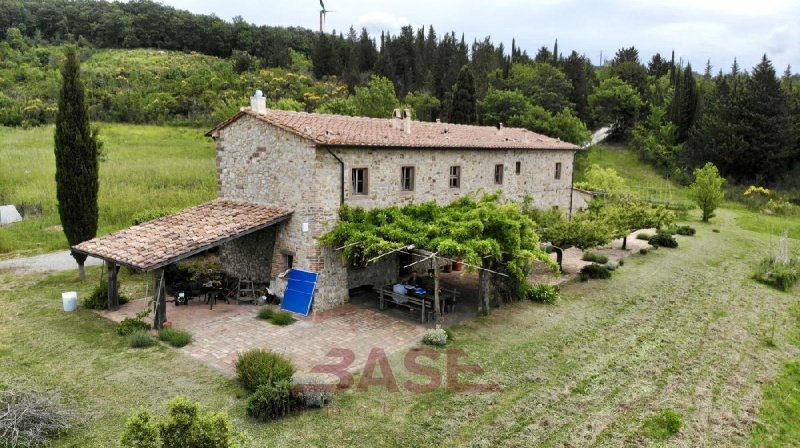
(146, 167)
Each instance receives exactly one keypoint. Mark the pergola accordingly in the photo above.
(153, 245)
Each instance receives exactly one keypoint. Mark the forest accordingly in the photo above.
(145, 62)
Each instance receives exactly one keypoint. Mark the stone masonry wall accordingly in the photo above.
(250, 256)
(432, 175)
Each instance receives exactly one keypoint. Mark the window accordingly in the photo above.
(359, 181)
(558, 170)
(407, 178)
(519, 167)
(498, 174)
(455, 177)
(288, 260)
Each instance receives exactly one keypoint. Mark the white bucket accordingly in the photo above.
(70, 300)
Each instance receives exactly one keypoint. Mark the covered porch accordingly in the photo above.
(154, 245)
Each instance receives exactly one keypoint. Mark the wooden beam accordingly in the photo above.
(159, 299)
(436, 301)
(113, 287)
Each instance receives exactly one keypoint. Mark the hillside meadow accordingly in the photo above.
(145, 167)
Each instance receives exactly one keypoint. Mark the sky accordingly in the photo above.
(697, 30)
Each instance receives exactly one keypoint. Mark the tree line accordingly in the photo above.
(674, 117)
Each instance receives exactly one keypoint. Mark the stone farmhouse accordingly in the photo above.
(283, 176)
(311, 164)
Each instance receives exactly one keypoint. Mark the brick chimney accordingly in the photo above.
(258, 103)
(407, 121)
(397, 120)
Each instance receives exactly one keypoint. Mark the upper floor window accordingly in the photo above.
(360, 181)
(519, 167)
(455, 177)
(498, 173)
(407, 178)
(558, 170)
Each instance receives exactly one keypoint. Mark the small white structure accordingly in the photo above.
(70, 299)
(9, 215)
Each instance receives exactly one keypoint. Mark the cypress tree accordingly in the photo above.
(687, 104)
(465, 104)
(76, 151)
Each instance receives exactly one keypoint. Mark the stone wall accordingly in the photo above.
(432, 173)
(249, 256)
(383, 272)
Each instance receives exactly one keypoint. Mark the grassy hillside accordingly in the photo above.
(146, 167)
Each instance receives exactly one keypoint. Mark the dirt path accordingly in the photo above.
(54, 261)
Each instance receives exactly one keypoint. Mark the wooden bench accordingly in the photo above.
(424, 306)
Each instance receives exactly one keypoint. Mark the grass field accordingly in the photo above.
(146, 167)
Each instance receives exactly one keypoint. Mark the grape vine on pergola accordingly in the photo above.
(488, 235)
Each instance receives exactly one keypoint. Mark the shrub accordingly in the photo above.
(435, 336)
(175, 337)
(140, 339)
(313, 391)
(282, 318)
(594, 271)
(671, 230)
(782, 276)
(98, 299)
(663, 425)
(260, 368)
(643, 251)
(185, 425)
(622, 262)
(715, 230)
(450, 337)
(149, 215)
(595, 257)
(544, 293)
(266, 313)
(130, 325)
(663, 239)
(27, 419)
(686, 231)
(644, 236)
(271, 401)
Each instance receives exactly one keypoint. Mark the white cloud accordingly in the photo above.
(377, 21)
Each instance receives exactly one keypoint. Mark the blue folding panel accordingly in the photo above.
(299, 291)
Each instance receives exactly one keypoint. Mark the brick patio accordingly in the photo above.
(220, 334)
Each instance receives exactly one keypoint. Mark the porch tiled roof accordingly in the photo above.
(340, 130)
(163, 241)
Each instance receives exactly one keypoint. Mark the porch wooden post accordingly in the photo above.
(436, 303)
(159, 299)
(113, 288)
(484, 288)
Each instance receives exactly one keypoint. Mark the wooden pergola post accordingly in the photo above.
(436, 303)
(159, 299)
(113, 287)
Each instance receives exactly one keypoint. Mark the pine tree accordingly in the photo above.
(464, 109)
(76, 153)
(687, 104)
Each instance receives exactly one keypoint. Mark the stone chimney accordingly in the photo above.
(258, 103)
(397, 120)
(407, 121)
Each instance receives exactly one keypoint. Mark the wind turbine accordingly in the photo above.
(322, 14)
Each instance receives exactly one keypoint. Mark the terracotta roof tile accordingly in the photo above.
(340, 130)
(162, 241)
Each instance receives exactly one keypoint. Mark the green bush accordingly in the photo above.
(778, 275)
(544, 293)
(98, 299)
(595, 257)
(663, 425)
(644, 236)
(130, 325)
(686, 231)
(140, 339)
(259, 368)
(437, 337)
(282, 318)
(313, 391)
(271, 401)
(643, 251)
(185, 425)
(149, 215)
(266, 313)
(594, 271)
(663, 240)
(175, 337)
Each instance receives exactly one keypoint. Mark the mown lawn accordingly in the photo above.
(146, 167)
(682, 330)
